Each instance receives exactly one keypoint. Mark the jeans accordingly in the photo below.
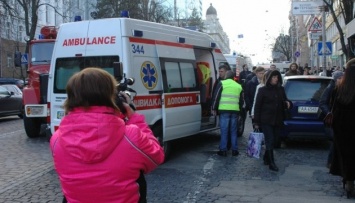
(228, 123)
(271, 133)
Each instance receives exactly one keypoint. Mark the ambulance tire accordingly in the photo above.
(158, 133)
(32, 126)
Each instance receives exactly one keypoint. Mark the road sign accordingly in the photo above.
(24, 59)
(315, 35)
(306, 7)
(328, 50)
(297, 54)
(316, 25)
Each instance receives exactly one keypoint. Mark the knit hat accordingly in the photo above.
(337, 75)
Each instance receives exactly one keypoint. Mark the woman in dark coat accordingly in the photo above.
(269, 109)
(343, 163)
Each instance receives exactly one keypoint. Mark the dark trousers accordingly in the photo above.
(271, 133)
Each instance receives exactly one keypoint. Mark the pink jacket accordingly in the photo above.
(98, 157)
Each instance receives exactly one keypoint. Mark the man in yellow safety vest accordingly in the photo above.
(228, 101)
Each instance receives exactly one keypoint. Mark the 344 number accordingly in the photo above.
(137, 49)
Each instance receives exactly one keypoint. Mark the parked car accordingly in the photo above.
(302, 120)
(10, 101)
(18, 82)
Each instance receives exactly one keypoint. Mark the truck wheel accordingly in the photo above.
(32, 126)
(158, 133)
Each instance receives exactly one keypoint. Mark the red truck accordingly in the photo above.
(35, 90)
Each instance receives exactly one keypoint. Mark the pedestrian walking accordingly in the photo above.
(250, 88)
(325, 106)
(271, 101)
(98, 156)
(228, 100)
(292, 70)
(343, 96)
(243, 74)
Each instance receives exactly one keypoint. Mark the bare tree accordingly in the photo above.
(149, 10)
(26, 11)
(283, 46)
(346, 9)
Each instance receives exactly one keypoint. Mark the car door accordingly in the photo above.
(5, 101)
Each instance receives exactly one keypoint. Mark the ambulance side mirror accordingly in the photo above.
(118, 70)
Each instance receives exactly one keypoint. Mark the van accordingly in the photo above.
(174, 69)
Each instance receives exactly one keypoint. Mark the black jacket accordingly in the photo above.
(324, 102)
(271, 102)
(249, 92)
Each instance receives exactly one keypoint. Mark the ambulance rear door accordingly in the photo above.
(181, 107)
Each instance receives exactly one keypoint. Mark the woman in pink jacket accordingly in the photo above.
(98, 156)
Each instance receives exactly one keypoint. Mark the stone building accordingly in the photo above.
(214, 28)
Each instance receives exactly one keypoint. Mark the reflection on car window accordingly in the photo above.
(306, 90)
(3, 91)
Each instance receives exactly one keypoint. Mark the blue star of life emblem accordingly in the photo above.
(149, 75)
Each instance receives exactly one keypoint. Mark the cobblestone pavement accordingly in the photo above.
(194, 173)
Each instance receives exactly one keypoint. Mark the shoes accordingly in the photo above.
(235, 153)
(222, 153)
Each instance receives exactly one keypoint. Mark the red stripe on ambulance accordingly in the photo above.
(159, 42)
(177, 100)
(147, 102)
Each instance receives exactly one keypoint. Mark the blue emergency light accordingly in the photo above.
(77, 18)
(125, 14)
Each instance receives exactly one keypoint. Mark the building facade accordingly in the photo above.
(213, 27)
(50, 13)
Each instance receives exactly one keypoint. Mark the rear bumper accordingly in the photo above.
(304, 129)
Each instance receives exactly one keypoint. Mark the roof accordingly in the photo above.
(211, 10)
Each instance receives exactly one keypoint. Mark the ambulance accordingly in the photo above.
(174, 69)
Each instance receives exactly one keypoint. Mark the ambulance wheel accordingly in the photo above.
(32, 126)
(158, 133)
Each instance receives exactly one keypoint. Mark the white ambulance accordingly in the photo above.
(174, 70)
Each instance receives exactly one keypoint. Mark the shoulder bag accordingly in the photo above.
(328, 119)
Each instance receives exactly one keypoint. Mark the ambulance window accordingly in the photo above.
(188, 75)
(179, 76)
(173, 75)
(66, 67)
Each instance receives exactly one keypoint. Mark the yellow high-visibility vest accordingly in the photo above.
(230, 95)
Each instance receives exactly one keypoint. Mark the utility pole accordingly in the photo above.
(324, 46)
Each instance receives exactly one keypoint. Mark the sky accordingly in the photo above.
(260, 22)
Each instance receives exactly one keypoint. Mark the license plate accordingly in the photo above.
(34, 110)
(307, 109)
(60, 114)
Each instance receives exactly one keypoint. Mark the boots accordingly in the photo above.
(266, 158)
(272, 165)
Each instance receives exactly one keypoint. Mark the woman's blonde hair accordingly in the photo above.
(91, 87)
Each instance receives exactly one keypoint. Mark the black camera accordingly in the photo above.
(123, 87)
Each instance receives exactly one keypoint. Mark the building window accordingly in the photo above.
(20, 31)
(9, 61)
(8, 30)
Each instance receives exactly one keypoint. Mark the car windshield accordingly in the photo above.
(305, 89)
